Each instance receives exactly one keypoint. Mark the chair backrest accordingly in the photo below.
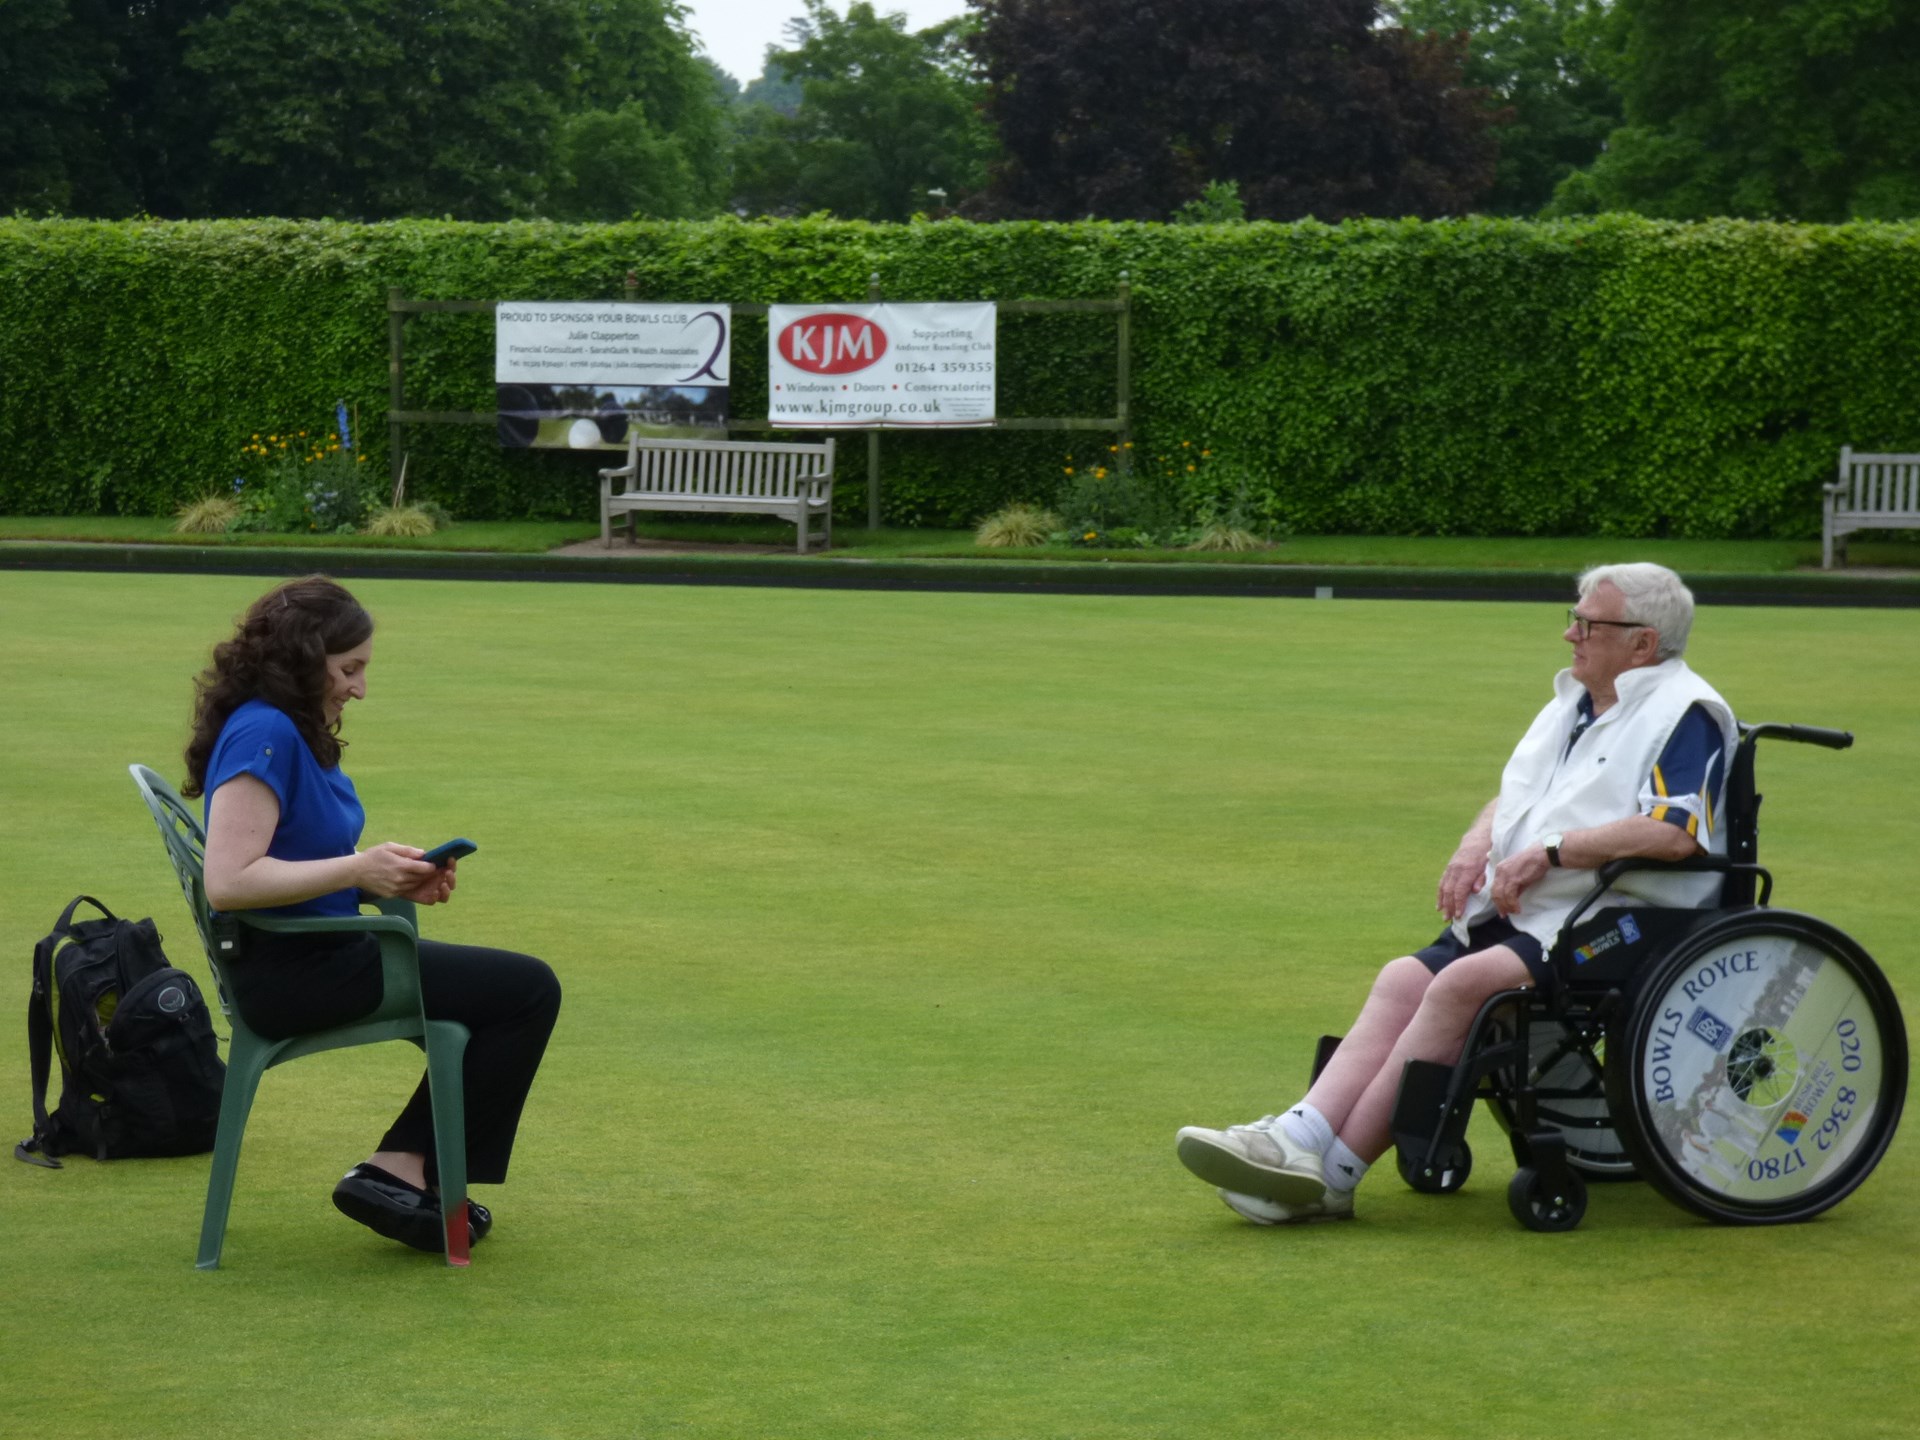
(186, 841)
(723, 468)
(1881, 484)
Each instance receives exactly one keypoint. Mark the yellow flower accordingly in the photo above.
(361, 460)
(1186, 444)
(1113, 449)
(1099, 472)
(1091, 535)
(1205, 453)
(1069, 469)
(1129, 444)
(1190, 469)
(272, 438)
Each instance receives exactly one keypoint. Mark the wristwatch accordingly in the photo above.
(1553, 843)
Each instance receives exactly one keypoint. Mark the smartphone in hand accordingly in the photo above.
(451, 850)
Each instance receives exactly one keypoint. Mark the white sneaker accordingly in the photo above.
(1257, 1159)
(1332, 1205)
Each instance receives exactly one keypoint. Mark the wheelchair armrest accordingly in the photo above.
(1614, 869)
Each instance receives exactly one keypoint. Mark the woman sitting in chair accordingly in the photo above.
(283, 823)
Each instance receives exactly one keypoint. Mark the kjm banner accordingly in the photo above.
(880, 366)
(579, 375)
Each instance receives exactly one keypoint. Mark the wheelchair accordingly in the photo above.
(1748, 1063)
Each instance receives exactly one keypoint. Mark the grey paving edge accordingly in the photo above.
(1004, 576)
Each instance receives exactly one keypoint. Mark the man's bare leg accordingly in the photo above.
(1390, 1006)
(1438, 1032)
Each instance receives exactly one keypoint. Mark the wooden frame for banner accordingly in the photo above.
(399, 307)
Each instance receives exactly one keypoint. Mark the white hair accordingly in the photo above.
(1656, 598)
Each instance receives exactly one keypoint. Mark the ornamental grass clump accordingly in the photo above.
(209, 515)
(408, 521)
(1222, 535)
(1226, 519)
(1016, 527)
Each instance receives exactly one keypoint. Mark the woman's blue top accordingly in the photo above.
(320, 814)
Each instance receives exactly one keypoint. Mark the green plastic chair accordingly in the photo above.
(399, 1017)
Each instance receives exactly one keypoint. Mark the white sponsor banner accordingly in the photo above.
(580, 374)
(881, 366)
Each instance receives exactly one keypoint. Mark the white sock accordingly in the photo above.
(1308, 1128)
(1342, 1167)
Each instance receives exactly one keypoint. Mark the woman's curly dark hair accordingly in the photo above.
(279, 655)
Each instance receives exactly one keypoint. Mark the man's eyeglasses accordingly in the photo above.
(1585, 626)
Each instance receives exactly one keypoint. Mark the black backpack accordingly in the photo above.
(140, 1070)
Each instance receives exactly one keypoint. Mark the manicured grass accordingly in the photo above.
(899, 933)
(1749, 557)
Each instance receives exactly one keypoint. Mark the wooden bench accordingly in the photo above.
(1874, 492)
(721, 477)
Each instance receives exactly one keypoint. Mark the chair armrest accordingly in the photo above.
(400, 997)
(1837, 487)
(616, 472)
(320, 924)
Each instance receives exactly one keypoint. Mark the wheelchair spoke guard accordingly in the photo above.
(1765, 1065)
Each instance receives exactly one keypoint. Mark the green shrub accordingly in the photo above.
(308, 484)
(1614, 376)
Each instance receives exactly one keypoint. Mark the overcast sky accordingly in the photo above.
(736, 33)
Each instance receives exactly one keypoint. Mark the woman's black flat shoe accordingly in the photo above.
(389, 1206)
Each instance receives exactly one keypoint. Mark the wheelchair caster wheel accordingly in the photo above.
(1548, 1208)
(1447, 1174)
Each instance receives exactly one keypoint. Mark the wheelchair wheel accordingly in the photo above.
(1544, 1207)
(1569, 1075)
(1762, 1070)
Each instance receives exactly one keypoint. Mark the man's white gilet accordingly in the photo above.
(1545, 790)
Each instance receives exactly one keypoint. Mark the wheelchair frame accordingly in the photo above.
(1539, 1057)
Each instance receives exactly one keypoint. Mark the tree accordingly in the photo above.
(96, 116)
(1758, 108)
(377, 108)
(1526, 56)
(774, 87)
(637, 52)
(886, 119)
(56, 70)
(1128, 111)
(615, 164)
(367, 109)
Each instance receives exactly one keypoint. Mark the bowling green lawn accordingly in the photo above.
(899, 934)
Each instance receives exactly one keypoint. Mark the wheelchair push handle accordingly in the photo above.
(1803, 735)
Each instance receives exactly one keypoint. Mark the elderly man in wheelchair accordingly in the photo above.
(1603, 904)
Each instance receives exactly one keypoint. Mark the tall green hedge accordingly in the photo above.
(1615, 376)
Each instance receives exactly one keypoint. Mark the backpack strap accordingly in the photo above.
(40, 1044)
(64, 925)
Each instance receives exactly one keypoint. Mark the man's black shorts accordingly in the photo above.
(1496, 931)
